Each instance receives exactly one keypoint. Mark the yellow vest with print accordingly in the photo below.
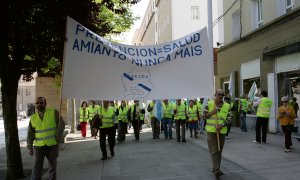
(192, 113)
(83, 114)
(218, 118)
(107, 117)
(93, 111)
(45, 130)
(123, 114)
(167, 110)
(263, 109)
(180, 112)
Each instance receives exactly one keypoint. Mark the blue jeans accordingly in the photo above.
(243, 118)
(201, 126)
(168, 122)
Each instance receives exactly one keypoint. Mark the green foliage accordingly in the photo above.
(36, 31)
(52, 65)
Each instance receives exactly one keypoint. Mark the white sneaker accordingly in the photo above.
(287, 150)
(256, 142)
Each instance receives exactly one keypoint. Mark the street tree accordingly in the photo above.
(34, 43)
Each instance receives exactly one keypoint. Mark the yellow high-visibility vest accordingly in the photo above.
(45, 130)
(180, 111)
(192, 113)
(218, 118)
(93, 111)
(123, 114)
(83, 114)
(151, 104)
(107, 117)
(263, 109)
(167, 110)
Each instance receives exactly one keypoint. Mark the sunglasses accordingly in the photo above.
(220, 94)
(39, 103)
(284, 101)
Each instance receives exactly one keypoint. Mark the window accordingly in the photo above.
(259, 12)
(195, 12)
(236, 25)
(289, 5)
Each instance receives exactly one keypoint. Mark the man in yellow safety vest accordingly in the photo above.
(107, 116)
(43, 135)
(216, 112)
(263, 113)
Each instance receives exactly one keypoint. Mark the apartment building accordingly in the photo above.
(167, 20)
(261, 45)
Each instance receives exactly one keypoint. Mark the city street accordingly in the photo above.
(167, 159)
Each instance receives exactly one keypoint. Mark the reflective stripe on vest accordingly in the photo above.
(92, 111)
(83, 114)
(264, 107)
(180, 114)
(218, 118)
(167, 110)
(192, 113)
(107, 117)
(45, 130)
(123, 114)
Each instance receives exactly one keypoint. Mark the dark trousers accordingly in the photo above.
(136, 128)
(122, 131)
(182, 124)
(155, 124)
(261, 126)
(51, 153)
(162, 125)
(287, 135)
(110, 132)
(243, 121)
(228, 129)
(93, 132)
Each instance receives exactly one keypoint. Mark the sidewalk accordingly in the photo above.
(152, 159)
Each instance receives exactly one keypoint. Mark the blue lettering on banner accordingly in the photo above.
(186, 47)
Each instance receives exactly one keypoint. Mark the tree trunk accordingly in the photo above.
(9, 88)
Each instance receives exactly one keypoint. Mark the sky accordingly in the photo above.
(138, 9)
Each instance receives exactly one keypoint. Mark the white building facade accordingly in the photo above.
(167, 20)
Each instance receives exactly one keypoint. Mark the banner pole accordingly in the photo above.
(210, 39)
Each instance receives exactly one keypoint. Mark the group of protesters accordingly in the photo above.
(111, 119)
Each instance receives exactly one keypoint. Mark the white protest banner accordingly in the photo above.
(95, 68)
(253, 90)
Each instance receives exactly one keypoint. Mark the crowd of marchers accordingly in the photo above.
(111, 120)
